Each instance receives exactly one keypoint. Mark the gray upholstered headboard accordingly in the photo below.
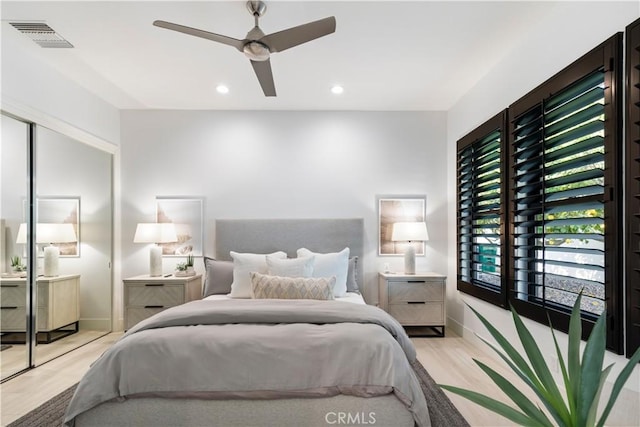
(288, 235)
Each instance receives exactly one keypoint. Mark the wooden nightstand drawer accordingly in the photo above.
(135, 315)
(159, 294)
(13, 296)
(13, 319)
(415, 291)
(426, 313)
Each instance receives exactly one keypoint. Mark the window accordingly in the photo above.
(539, 199)
(481, 211)
(564, 188)
(632, 199)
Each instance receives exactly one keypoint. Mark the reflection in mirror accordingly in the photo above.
(13, 290)
(73, 187)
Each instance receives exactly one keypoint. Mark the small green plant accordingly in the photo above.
(16, 264)
(189, 261)
(583, 379)
(181, 266)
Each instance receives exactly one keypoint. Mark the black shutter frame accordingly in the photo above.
(497, 122)
(607, 55)
(632, 199)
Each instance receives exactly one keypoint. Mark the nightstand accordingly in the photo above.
(414, 300)
(145, 296)
(58, 307)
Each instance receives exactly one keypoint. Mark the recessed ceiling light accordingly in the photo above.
(222, 89)
(337, 89)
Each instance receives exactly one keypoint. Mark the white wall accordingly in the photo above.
(31, 86)
(570, 30)
(284, 164)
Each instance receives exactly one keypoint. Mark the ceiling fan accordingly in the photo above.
(257, 46)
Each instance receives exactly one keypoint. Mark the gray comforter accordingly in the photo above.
(257, 349)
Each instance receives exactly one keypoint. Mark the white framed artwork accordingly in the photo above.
(392, 209)
(186, 213)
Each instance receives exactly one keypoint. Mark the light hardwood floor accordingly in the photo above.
(448, 360)
(13, 359)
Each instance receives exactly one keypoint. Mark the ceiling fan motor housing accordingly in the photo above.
(256, 51)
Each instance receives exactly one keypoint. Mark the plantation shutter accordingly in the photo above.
(482, 212)
(633, 187)
(563, 177)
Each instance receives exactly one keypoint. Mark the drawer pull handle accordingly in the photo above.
(154, 284)
(416, 302)
(8, 308)
(154, 306)
(9, 286)
(416, 281)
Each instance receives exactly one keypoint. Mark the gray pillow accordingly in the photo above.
(219, 276)
(352, 275)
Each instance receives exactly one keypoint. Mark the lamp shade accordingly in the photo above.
(164, 232)
(409, 232)
(49, 233)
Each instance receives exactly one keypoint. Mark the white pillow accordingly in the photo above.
(245, 263)
(331, 264)
(290, 267)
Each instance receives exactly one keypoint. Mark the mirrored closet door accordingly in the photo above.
(72, 246)
(14, 145)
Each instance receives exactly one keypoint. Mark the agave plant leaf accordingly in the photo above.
(565, 373)
(523, 402)
(593, 410)
(493, 405)
(618, 384)
(591, 370)
(520, 367)
(542, 370)
(507, 347)
(573, 352)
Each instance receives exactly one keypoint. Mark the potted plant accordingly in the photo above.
(583, 377)
(16, 265)
(190, 269)
(185, 268)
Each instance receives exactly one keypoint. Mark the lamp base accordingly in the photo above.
(51, 258)
(410, 260)
(155, 261)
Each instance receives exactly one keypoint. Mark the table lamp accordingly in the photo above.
(49, 233)
(164, 232)
(409, 232)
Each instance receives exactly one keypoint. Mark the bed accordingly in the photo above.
(229, 361)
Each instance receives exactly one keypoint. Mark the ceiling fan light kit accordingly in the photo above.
(257, 46)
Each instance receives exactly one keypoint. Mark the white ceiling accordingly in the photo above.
(417, 55)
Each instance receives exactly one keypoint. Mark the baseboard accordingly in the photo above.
(95, 324)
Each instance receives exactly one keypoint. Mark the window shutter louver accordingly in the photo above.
(561, 162)
(481, 212)
(633, 187)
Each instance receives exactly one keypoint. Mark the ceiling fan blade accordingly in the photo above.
(282, 40)
(265, 77)
(238, 44)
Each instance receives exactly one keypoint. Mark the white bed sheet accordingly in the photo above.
(351, 297)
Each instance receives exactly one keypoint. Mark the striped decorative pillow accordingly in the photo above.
(264, 286)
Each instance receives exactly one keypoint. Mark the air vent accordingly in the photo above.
(42, 34)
